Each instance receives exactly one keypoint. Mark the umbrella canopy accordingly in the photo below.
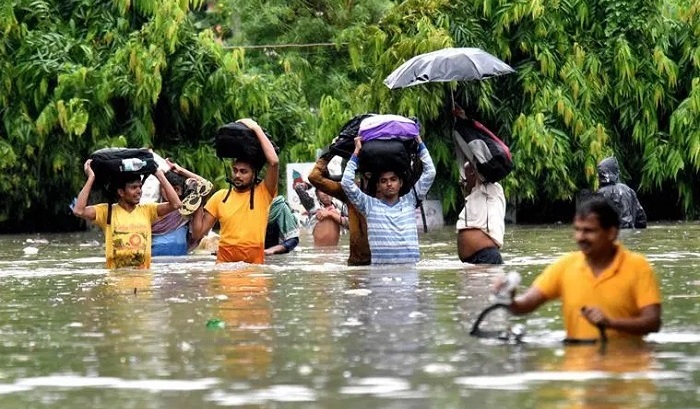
(448, 64)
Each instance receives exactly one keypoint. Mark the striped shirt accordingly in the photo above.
(392, 229)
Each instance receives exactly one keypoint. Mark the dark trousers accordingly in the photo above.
(488, 255)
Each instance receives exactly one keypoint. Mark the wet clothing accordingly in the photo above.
(360, 254)
(485, 209)
(128, 236)
(624, 199)
(621, 291)
(393, 233)
(171, 236)
(172, 243)
(242, 228)
(272, 238)
(488, 255)
(282, 226)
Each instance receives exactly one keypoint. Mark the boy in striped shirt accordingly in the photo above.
(391, 219)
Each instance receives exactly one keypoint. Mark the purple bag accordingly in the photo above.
(388, 127)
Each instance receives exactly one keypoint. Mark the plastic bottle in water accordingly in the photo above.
(503, 296)
(132, 164)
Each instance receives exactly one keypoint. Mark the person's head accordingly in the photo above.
(129, 189)
(596, 225)
(323, 198)
(471, 178)
(388, 186)
(176, 181)
(608, 171)
(243, 174)
(366, 182)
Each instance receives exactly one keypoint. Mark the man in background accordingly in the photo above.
(624, 199)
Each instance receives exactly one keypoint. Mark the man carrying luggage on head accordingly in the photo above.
(391, 219)
(128, 228)
(243, 211)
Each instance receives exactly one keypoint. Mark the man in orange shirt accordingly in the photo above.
(602, 285)
(242, 212)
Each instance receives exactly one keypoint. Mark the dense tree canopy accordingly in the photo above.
(77, 75)
(594, 77)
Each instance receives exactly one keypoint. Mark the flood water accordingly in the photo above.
(306, 331)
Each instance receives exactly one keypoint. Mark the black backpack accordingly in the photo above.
(344, 144)
(400, 157)
(108, 165)
(490, 156)
(236, 141)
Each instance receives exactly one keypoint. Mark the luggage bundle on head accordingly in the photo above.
(115, 164)
(477, 144)
(344, 143)
(236, 141)
(389, 144)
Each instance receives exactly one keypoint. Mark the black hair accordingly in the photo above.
(122, 180)
(600, 206)
(175, 180)
(256, 179)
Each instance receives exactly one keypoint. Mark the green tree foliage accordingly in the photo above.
(300, 35)
(593, 78)
(77, 75)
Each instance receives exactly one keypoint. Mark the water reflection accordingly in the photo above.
(392, 317)
(617, 378)
(247, 313)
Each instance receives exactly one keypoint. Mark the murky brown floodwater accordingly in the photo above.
(306, 331)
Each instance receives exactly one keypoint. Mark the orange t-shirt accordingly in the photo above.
(242, 228)
(128, 236)
(621, 291)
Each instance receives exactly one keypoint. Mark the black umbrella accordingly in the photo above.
(448, 64)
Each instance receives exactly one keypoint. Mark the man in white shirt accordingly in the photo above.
(481, 222)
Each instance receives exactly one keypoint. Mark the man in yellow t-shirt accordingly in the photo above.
(242, 212)
(602, 285)
(128, 234)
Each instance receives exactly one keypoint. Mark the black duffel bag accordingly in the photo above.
(111, 164)
(344, 143)
(391, 155)
(236, 141)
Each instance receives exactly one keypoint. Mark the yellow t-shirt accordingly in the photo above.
(128, 236)
(242, 228)
(625, 287)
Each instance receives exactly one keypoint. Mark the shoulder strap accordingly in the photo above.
(419, 203)
(230, 184)
(109, 212)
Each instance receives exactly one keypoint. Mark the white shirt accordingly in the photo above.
(485, 209)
